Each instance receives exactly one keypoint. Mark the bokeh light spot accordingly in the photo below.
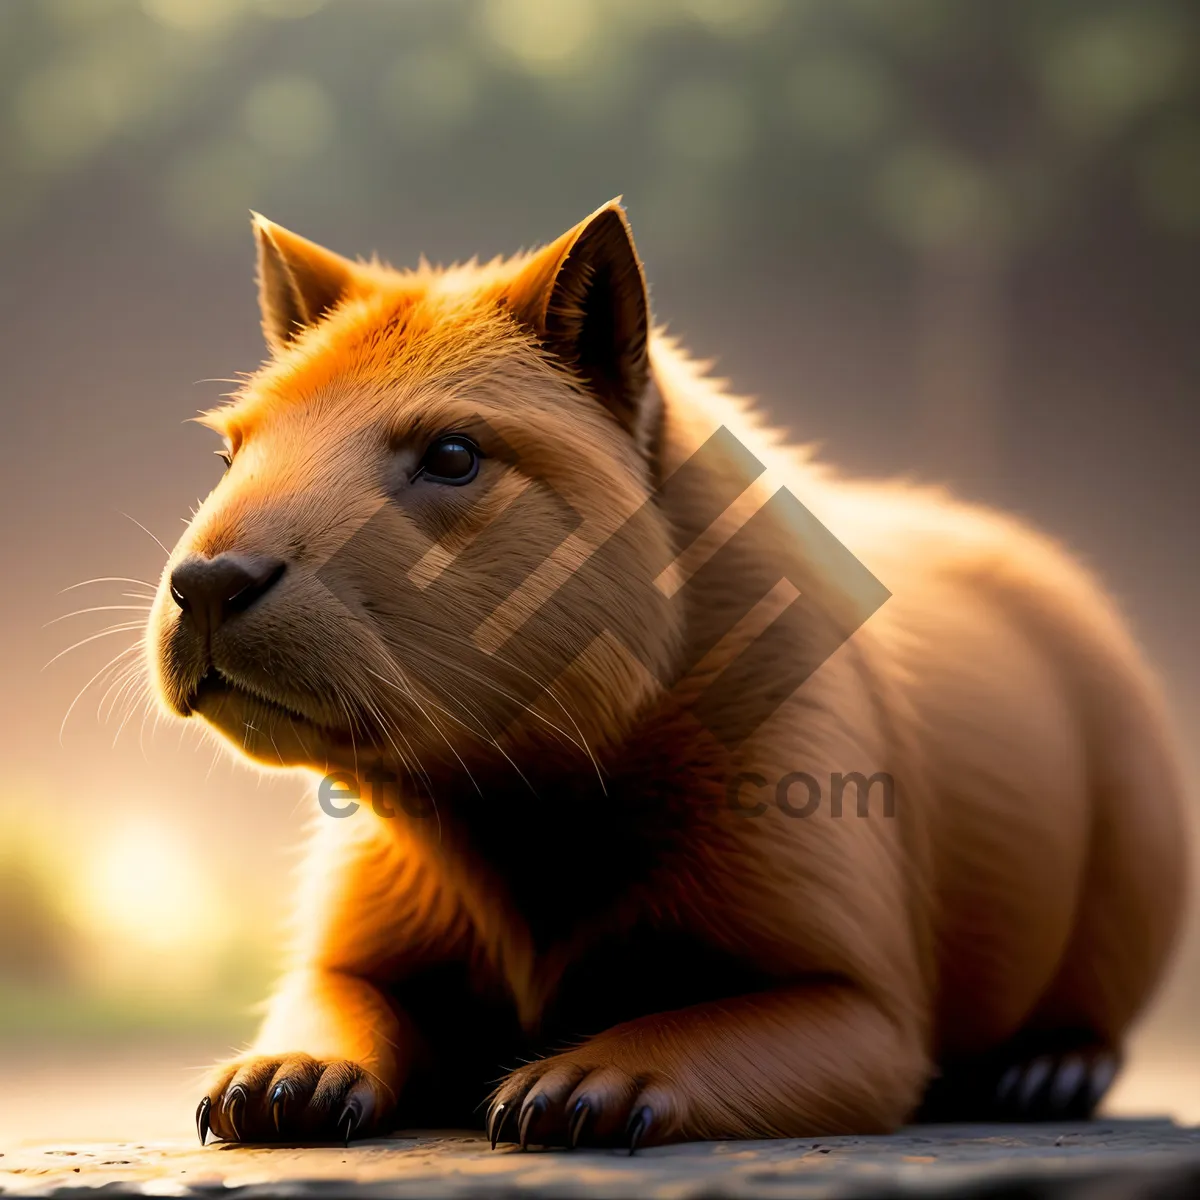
(140, 882)
(542, 35)
(1101, 72)
(931, 197)
(195, 16)
(69, 109)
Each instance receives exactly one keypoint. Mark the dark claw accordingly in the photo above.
(279, 1096)
(1036, 1075)
(496, 1123)
(1067, 1083)
(347, 1123)
(638, 1125)
(532, 1109)
(583, 1110)
(202, 1111)
(1007, 1084)
(235, 1101)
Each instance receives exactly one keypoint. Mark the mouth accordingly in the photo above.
(267, 728)
(217, 695)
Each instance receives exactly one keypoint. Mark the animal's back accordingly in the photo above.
(1048, 786)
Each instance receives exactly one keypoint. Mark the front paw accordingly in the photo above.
(587, 1097)
(292, 1098)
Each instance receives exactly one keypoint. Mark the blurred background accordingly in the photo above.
(955, 240)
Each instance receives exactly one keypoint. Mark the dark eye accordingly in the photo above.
(453, 459)
(226, 456)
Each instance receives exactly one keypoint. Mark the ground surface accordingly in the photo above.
(1115, 1159)
(118, 1118)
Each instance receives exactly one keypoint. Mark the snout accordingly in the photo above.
(212, 591)
(253, 644)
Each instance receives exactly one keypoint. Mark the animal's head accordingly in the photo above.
(396, 566)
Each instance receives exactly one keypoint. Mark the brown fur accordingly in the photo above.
(585, 887)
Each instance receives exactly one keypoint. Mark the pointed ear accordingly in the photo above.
(584, 296)
(298, 281)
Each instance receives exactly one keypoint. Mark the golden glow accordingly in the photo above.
(142, 884)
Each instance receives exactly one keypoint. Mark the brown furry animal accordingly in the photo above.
(596, 865)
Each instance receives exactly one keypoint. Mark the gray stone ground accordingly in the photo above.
(1110, 1159)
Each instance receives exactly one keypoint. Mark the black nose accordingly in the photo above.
(211, 590)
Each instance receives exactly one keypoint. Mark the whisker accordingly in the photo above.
(299, 736)
(216, 756)
(135, 685)
(149, 708)
(132, 690)
(274, 746)
(488, 737)
(122, 628)
(410, 695)
(507, 695)
(480, 732)
(384, 729)
(118, 681)
(146, 531)
(350, 725)
(116, 658)
(124, 722)
(147, 705)
(582, 743)
(108, 579)
(79, 612)
(413, 767)
(377, 713)
(438, 730)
